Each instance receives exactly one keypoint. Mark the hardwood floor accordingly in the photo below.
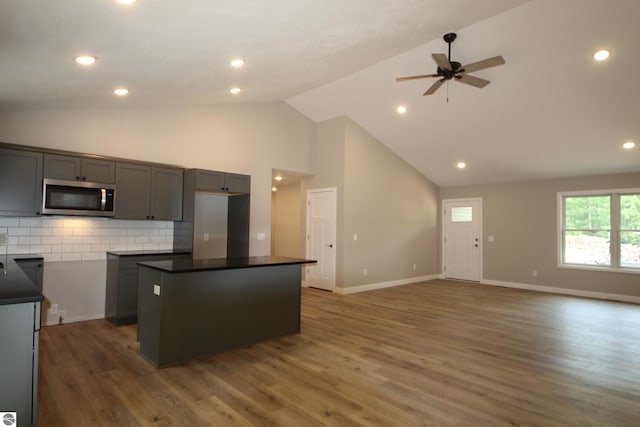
(437, 353)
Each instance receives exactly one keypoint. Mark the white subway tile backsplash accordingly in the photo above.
(77, 239)
(40, 231)
(19, 231)
(30, 222)
(29, 240)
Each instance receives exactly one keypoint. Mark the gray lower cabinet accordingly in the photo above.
(21, 178)
(121, 299)
(145, 192)
(79, 169)
(19, 335)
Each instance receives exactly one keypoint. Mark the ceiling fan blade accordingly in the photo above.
(441, 60)
(402, 79)
(481, 65)
(471, 80)
(434, 87)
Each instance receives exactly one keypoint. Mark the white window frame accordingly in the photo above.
(614, 226)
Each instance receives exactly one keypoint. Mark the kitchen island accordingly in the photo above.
(189, 308)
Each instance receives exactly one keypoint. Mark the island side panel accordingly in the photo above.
(149, 314)
(210, 311)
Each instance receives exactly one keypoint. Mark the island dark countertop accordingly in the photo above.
(15, 286)
(147, 253)
(191, 265)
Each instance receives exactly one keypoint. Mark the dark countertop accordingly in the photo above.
(15, 286)
(149, 252)
(192, 265)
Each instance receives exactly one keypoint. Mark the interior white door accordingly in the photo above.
(462, 239)
(321, 238)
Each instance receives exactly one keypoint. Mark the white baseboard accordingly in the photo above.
(563, 291)
(74, 319)
(381, 285)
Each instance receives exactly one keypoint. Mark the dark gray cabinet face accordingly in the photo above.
(20, 183)
(79, 169)
(166, 194)
(236, 183)
(144, 192)
(133, 191)
(121, 299)
(222, 182)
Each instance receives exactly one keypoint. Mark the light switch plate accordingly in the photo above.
(156, 289)
(261, 236)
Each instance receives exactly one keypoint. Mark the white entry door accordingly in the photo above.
(321, 238)
(462, 239)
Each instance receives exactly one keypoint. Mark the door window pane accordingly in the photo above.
(462, 214)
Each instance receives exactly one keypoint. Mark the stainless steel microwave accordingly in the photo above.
(60, 197)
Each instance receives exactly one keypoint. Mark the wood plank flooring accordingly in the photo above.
(437, 353)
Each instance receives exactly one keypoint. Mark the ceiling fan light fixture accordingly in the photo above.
(121, 91)
(461, 165)
(601, 55)
(401, 109)
(629, 145)
(234, 90)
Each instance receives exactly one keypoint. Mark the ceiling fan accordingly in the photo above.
(453, 70)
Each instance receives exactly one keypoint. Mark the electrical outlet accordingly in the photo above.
(365, 272)
(53, 309)
(414, 267)
(534, 273)
(355, 236)
(156, 289)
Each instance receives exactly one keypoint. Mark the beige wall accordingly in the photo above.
(523, 219)
(244, 138)
(392, 207)
(287, 226)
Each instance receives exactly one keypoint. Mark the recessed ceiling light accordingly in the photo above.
(401, 109)
(121, 91)
(601, 55)
(629, 145)
(126, 1)
(278, 178)
(461, 165)
(85, 60)
(274, 189)
(234, 90)
(237, 62)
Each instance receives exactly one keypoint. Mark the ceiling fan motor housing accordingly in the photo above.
(449, 74)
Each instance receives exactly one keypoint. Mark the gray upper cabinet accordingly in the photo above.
(221, 182)
(21, 179)
(79, 169)
(145, 192)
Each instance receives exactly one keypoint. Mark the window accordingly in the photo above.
(600, 230)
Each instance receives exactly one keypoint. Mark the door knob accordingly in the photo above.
(330, 245)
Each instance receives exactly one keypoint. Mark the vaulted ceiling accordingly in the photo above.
(550, 111)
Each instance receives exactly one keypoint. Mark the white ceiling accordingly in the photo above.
(550, 111)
